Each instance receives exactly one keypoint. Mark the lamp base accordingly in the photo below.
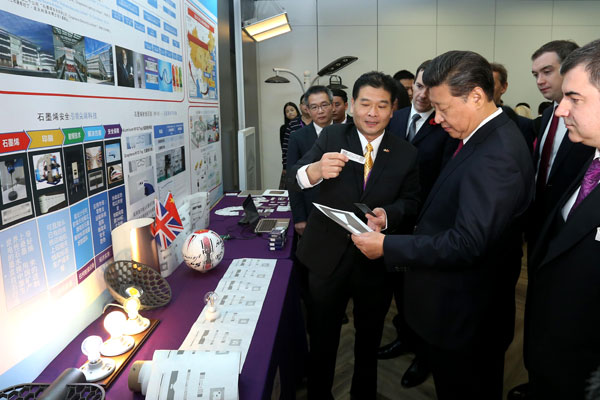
(136, 325)
(98, 370)
(116, 346)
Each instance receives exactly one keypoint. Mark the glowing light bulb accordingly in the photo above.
(132, 306)
(113, 323)
(91, 348)
(210, 312)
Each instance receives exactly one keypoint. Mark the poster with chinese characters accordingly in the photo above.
(95, 97)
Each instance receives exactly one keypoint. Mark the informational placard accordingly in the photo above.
(97, 99)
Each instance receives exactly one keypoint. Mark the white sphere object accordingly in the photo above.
(203, 250)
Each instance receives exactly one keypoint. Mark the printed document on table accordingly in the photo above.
(194, 375)
(346, 219)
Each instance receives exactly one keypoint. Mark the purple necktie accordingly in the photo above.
(589, 182)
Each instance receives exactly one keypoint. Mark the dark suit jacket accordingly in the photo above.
(464, 258)
(393, 185)
(299, 143)
(567, 164)
(563, 328)
(434, 147)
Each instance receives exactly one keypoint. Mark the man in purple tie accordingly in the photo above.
(563, 331)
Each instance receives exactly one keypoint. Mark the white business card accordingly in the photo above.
(353, 157)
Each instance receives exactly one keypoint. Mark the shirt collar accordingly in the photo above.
(485, 121)
(424, 115)
(318, 128)
(375, 143)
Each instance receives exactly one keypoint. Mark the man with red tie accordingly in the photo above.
(464, 258)
(562, 307)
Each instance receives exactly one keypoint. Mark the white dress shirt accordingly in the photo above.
(485, 121)
(561, 131)
(424, 117)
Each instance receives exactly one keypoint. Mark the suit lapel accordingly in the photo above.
(584, 219)
(563, 151)
(381, 160)
(425, 130)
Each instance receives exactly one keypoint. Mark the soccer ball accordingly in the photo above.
(203, 250)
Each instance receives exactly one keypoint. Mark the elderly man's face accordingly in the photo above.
(320, 109)
(457, 115)
(580, 107)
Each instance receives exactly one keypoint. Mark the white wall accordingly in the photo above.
(389, 35)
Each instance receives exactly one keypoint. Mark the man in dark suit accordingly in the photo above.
(387, 183)
(563, 330)
(417, 125)
(464, 259)
(318, 101)
(340, 106)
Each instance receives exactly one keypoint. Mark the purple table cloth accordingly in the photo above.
(244, 242)
(277, 325)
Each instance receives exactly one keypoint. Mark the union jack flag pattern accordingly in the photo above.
(167, 224)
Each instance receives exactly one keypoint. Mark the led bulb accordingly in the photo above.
(114, 322)
(132, 306)
(91, 348)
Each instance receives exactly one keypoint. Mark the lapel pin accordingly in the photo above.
(386, 150)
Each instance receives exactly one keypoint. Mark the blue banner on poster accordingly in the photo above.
(22, 266)
(56, 239)
(82, 233)
(118, 209)
(100, 222)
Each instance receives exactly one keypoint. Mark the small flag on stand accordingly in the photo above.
(167, 224)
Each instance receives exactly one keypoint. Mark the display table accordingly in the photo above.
(244, 242)
(278, 344)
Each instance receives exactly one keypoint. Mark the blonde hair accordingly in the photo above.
(523, 111)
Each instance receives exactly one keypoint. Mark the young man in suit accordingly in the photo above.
(416, 124)
(464, 258)
(564, 322)
(387, 183)
(318, 101)
(340, 106)
(557, 160)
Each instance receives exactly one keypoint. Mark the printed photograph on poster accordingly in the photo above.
(99, 57)
(124, 67)
(204, 126)
(114, 166)
(75, 173)
(138, 71)
(140, 179)
(165, 76)
(69, 53)
(15, 202)
(33, 52)
(151, 72)
(47, 181)
(94, 159)
(137, 143)
(202, 55)
(170, 163)
(206, 168)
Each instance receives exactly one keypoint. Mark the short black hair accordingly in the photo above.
(501, 70)
(589, 57)
(403, 74)
(340, 93)
(562, 48)
(422, 67)
(376, 80)
(523, 104)
(315, 90)
(543, 105)
(462, 71)
(402, 95)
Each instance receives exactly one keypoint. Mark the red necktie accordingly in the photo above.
(544, 166)
(460, 146)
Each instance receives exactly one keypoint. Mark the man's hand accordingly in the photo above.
(299, 227)
(377, 223)
(370, 244)
(328, 167)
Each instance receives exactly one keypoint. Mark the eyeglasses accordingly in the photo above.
(322, 106)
